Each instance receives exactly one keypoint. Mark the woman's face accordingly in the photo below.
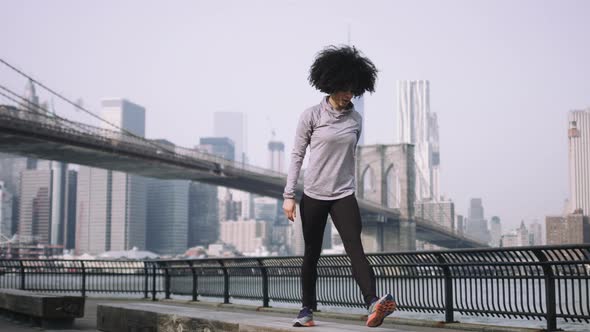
(341, 99)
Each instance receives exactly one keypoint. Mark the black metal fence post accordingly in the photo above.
(83, 279)
(449, 298)
(154, 282)
(264, 273)
(225, 282)
(166, 282)
(195, 284)
(550, 299)
(22, 276)
(146, 281)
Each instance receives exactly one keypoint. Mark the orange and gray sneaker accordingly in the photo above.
(305, 318)
(379, 309)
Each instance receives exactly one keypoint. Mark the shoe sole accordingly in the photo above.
(306, 324)
(382, 310)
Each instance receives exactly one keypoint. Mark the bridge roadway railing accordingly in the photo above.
(550, 283)
(31, 119)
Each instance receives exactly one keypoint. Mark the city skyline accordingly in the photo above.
(503, 77)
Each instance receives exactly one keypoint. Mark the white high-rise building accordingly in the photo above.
(535, 233)
(58, 201)
(245, 235)
(276, 156)
(579, 161)
(417, 125)
(112, 205)
(233, 126)
(495, 231)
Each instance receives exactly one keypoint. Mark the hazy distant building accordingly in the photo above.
(535, 234)
(510, 239)
(460, 226)
(10, 168)
(265, 208)
(579, 161)
(477, 225)
(59, 178)
(70, 210)
(111, 205)
(167, 216)
(276, 156)
(220, 146)
(418, 126)
(35, 206)
(6, 230)
(523, 235)
(245, 235)
(441, 212)
(571, 229)
(204, 214)
(495, 231)
(232, 125)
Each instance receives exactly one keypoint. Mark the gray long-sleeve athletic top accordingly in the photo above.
(332, 136)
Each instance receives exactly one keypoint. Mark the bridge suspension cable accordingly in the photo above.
(79, 107)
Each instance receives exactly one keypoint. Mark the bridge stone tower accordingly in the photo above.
(385, 175)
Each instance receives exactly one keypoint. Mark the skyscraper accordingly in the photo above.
(276, 156)
(579, 161)
(35, 206)
(220, 146)
(571, 229)
(232, 125)
(417, 125)
(58, 201)
(167, 216)
(70, 210)
(535, 234)
(204, 214)
(111, 205)
(495, 231)
(477, 226)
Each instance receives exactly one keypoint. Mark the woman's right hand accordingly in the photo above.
(289, 208)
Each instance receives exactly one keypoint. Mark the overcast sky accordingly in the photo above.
(503, 75)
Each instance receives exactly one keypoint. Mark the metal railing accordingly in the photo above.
(31, 118)
(544, 283)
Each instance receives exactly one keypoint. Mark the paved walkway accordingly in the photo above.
(278, 319)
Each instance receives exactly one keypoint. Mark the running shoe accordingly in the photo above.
(305, 318)
(379, 309)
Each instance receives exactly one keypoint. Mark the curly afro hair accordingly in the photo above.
(342, 69)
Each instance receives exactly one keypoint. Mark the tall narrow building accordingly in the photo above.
(233, 125)
(111, 205)
(69, 235)
(35, 207)
(495, 231)
(579, 161)
(477, 225)
(418, 126)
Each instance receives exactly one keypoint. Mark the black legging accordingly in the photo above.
(347, 219)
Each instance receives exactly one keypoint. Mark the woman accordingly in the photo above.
(332, 130)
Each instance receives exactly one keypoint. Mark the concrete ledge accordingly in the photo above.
(45, 310)
(389, 322)
(153, 317)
